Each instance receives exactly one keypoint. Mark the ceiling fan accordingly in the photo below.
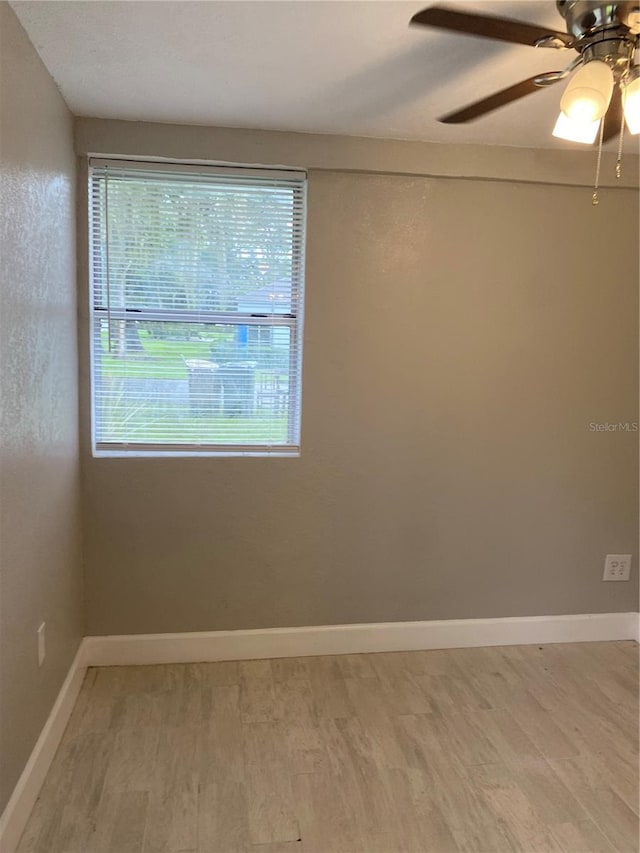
(604, 91)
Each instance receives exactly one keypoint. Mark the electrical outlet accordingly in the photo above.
(617, 567)
(41, 644)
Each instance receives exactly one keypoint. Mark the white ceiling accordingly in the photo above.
(333, 66)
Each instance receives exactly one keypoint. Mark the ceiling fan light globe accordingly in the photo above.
(585, 105)
(631, 103)
(588, 94)
(584, 132)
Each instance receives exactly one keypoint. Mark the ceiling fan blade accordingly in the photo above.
(613, 118)
(486, 26)
(493, 102)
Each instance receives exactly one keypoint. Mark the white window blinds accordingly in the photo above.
(197, 286)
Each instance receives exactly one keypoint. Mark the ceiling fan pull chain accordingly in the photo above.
(620, 141)
(594, 198)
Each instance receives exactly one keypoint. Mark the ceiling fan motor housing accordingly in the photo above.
(604, 31)
(586, 17)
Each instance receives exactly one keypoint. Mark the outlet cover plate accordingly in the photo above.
(617, 567)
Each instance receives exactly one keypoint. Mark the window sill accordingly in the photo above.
(166, 453)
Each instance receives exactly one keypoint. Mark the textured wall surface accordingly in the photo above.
(459, 341)
(40, 572)
(321, 151)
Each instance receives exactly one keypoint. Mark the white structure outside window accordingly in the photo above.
(197, 279)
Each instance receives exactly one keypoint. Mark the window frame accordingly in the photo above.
(294, 320)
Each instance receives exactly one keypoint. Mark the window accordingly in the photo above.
(196, 304)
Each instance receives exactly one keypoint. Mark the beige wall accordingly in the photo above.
(568, 164)
(460, 337)
(40, 573)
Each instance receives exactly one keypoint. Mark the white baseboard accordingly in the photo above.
(348, 639)
(14, 818)
(288, 642)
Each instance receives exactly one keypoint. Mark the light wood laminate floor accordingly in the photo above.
(514, 748)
